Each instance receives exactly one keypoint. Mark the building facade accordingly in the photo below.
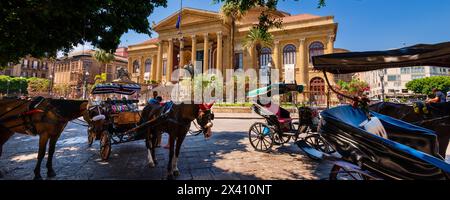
(30, 67)
(77, 70)
(395, 79)
(204, 41)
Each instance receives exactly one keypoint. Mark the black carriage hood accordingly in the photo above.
(437, 55)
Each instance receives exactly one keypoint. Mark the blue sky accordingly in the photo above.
(363, 24)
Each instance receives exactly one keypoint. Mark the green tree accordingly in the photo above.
(38, 85)
(40, 28)
(13, 85)
(426, 85)
(355, 87)
(100, 78)
(230, 11)
(258, 38)
(104, 58)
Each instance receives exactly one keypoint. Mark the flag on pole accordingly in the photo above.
(178, 21)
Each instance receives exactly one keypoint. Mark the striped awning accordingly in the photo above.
(109, 88)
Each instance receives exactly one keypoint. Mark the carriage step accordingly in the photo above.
(310, 151)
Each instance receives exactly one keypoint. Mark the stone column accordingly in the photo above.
(160, 61)
(194, 50)
(330, 50)
(182, 61)
(219, 63)
(154, 67)
(276, 55)
(130, 65)
(205, 52)
(303, 63)
(141, 70)
(169, 60)
(277, 59)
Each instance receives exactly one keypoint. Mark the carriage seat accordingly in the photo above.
(282, 114)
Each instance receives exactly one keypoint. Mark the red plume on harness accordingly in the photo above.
(206, 106)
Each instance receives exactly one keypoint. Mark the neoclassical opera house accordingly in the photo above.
(204, 37)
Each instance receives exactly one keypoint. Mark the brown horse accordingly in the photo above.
(176, 124)
(437, 119)
(47, 119)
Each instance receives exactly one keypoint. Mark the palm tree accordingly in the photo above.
(258, 38)
(232, 12)
(104, 58)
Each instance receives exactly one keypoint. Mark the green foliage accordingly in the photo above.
(100, 78)
(40, 28)
(103, 56)
(355, 87)
(258, 38)
(14, 84)
(426, 85)
(61, 89)
(38, 85)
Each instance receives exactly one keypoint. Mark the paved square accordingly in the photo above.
(226, 156)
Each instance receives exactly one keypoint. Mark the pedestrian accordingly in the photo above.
(439, 97)
(153, 100)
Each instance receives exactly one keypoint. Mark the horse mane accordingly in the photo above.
(69, 109)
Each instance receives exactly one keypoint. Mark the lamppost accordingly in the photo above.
(20, 86)
(50, 87)
(7, 87)
(86, 75)
(381, 74)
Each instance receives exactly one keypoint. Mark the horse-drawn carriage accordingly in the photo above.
(111, 119)
(280, 127)
(371, 145)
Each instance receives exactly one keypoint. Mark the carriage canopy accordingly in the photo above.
(278, 88)
(437, 55)
(117, 88)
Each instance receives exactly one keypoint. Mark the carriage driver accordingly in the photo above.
(439, 97)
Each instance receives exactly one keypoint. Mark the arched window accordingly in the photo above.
(265, 57)
(135, 66)
(315, 49)
(148, 65)
(289, 54)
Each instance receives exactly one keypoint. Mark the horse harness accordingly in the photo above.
(27, 116)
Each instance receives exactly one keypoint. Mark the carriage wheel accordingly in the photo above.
(317, 142)
(261, 137)
(340, 173)
(280, 138)
(91, 137)
(105, 146)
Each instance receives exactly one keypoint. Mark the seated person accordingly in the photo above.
(439, 97)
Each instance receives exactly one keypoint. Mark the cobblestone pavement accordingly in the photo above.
(226, 156)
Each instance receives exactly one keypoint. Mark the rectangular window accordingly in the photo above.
(414, 77)
(199, 56)
(404, 91)
(406, 70)
(238, 61)
(392, 77)
(417, 70)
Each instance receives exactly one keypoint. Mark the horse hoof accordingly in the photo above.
(37, 178)
(176, 173)
(51, 174)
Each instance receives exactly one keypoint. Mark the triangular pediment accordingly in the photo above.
(189, 16)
